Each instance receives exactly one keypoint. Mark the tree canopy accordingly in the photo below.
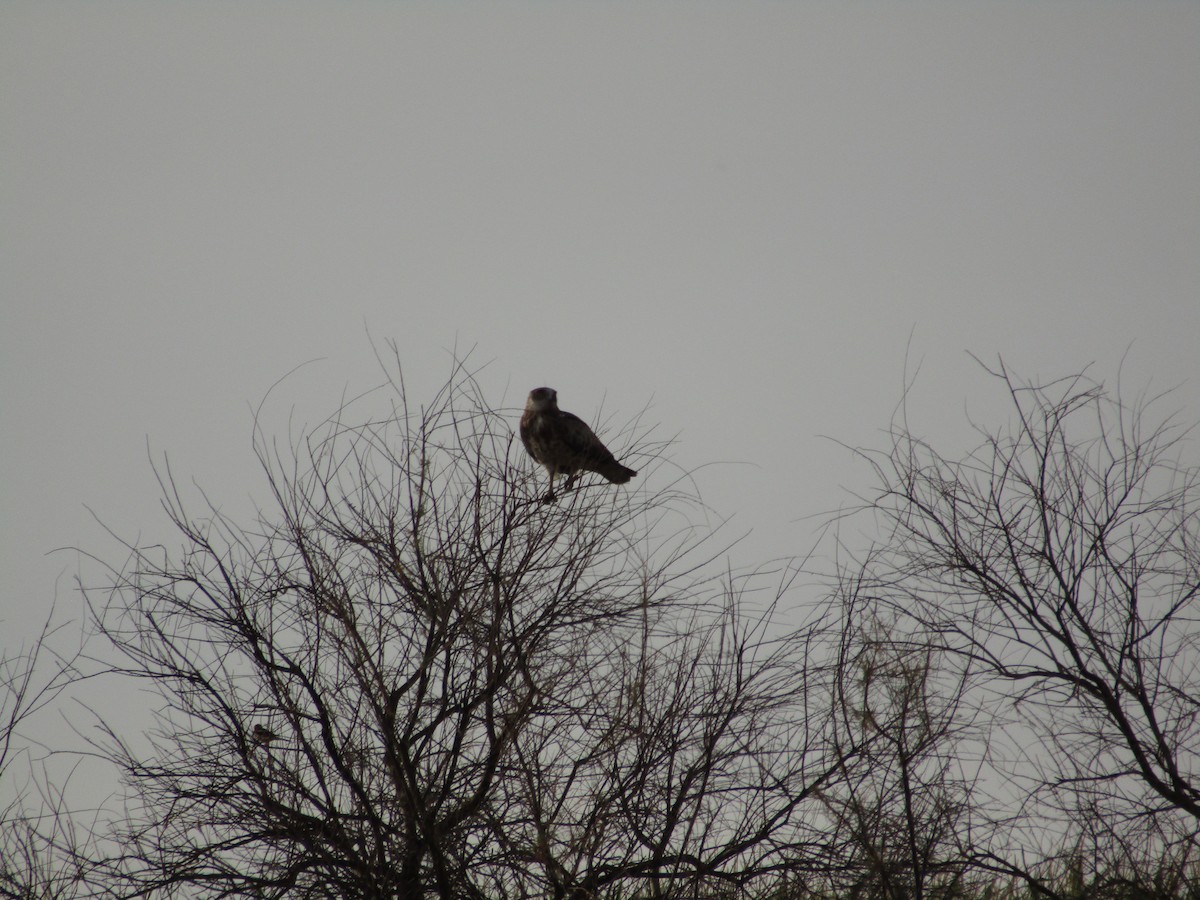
(408, 676)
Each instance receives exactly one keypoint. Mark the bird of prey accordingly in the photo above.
(564, 444)
(262, 736)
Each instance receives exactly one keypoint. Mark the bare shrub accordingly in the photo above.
(411, 677)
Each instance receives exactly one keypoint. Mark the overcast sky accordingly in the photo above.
(737, 213)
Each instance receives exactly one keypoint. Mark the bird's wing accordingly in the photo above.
(580, 439)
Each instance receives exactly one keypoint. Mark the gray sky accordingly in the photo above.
(735, 212)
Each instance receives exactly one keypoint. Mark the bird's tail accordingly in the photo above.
(616, 473)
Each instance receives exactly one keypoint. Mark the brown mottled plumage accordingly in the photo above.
(261, 736)
(563, 442)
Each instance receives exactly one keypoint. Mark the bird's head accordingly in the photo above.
(541, 399)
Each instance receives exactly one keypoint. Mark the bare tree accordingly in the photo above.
(903, 809)
(696, 771)
(39, 848)
(1059, 562)
(411, 677)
